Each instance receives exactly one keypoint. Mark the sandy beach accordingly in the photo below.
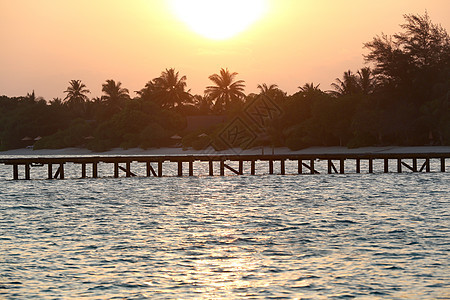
(259, 150)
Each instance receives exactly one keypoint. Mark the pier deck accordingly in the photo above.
(414, 162)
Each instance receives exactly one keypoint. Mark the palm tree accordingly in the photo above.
(226, 91)
(272, 91)
(114, 95)
(203, 103)
(169, 89)
(76, 92)
(76, 96)
(362, 82)
(56, 102)
(347, 86)
(146, 93)
(365, 80)
(309, 88)
(265, 89)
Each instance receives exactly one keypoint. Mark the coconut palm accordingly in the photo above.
(114, 95)
(265, 89)
(146, 93)
(76, 92)
(309, 88)
(272, 91)
(347, 86)
(226, 91)
(76, 96)
(56, 102)
(169, 89)
(203, 103)
(363, 82)
(366, 81)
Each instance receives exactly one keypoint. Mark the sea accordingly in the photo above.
(323, 236)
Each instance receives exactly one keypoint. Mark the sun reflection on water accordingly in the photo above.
(256, 237)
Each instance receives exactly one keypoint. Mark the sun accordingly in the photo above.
(219, 19)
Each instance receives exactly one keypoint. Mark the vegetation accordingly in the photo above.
(226, 92)
(403, 99)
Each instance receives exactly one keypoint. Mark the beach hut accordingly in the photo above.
(176, 137)
(176, 140)
(27, 142)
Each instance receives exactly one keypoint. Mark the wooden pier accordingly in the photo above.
(305, 164)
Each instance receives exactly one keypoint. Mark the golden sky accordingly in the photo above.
(46, 43)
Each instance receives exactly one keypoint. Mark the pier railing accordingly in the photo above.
(414, 162)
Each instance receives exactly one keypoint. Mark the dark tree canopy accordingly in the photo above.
(114, 94)
(168, 90)
(225, 91)
(415, 59)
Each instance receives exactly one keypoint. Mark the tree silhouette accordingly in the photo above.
(226, 91)
(169, 89)
(272, 91)
(114, 95)
(265, 89)
(363, 82)
(76, 92)
(310, 88)
(203, 103)
(413, 60)
(76, 96)
(366, 81)
(347, 86)
(56, 102)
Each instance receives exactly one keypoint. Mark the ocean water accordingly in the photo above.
(364, 236)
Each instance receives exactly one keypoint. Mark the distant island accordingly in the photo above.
(402, 99)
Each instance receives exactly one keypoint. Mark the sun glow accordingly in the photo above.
(219, 19)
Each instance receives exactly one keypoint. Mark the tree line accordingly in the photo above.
(403, 98)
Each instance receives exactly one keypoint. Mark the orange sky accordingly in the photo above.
(46, 43)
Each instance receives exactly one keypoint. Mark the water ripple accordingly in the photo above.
(258, 237)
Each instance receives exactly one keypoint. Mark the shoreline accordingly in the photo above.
(254, 151)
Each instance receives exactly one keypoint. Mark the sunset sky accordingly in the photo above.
(46, 43)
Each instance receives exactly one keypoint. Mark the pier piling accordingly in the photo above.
(180, 168)
(15, 172)
(150, 170)
(94, 170)
(191, 168)
(211, 168)
(222, 167)
(27, 171)
(83, 170)
(270, 167)
(160, 168)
